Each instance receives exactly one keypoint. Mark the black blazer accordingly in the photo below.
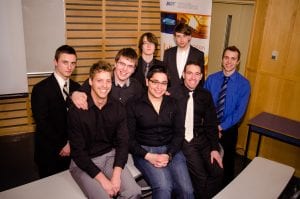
(170, 62)
(50, 113)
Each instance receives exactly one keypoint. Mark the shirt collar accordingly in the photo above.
(116, 83)
(179, 50)
(60, 80)
(91, 102)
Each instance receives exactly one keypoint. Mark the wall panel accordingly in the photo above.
(97, 29)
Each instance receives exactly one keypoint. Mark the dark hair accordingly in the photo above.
(150, 37)
(183, 28)
(128, 53)
(158, 69)
(192, 63)
(234, 49)
(99, 67)
(64, 49)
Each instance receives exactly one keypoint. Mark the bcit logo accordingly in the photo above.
(170, 3)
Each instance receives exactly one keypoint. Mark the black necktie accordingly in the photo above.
(221, 99)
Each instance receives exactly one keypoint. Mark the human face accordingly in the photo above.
(192, 76)
(182, 40)
(124, 69)
(100, 85)
(230, 62)
(157, 85)
(65, 65)
(148, 48)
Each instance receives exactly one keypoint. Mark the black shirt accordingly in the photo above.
(94, 132)
(148, 128)
(205, 118)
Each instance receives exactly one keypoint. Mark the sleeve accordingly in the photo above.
(41, 113)
(178, 129)
(134, 147)
(211, 123)
(121, 140)
(79, 145)
(85, 87)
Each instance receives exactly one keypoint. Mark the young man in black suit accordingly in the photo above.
(175, 58)
(49, 107)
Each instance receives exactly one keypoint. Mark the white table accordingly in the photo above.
(58, 186)
(261, 179)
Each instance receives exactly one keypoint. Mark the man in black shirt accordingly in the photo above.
(123, 86)
(99, 141)
(200, 147)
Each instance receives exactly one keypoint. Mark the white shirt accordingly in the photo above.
(61, 82)
(181, 58)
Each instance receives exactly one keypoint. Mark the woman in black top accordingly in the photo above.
(156, 129)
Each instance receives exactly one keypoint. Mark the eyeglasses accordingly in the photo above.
(122, 64)
(155, 82)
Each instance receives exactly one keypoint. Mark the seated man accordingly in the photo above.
(200, 146)
(99, 141)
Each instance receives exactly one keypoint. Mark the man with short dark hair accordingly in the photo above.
(49, 107)
(231, 92)
(175, 58)
(200, 146)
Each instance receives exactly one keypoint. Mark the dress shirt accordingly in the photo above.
(62, 82)
(94, 132)
(181, 57)
(237, 96)
(205, 118)
(147, 127)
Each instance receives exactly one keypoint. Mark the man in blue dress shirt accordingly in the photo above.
(232, 107)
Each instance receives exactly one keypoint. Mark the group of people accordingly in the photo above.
(162, 112)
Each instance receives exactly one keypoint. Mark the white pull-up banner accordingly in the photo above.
(195, 13)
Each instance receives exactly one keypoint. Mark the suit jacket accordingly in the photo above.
(50, 113)
(170, 62)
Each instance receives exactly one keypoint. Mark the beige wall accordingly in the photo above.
(275, 83)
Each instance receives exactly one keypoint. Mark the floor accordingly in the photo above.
(17, 166)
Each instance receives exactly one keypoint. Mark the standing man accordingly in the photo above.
(231, 92)
(175, 58)
(49, 108)
(148, 44)
(99, 141)
(200, 146)
(124, 87)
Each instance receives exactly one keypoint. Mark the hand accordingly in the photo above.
(167, 93)
(80, 100)
(157, 160)
(215, 155)
(106, 184)
(66, 150)
(163, 160)
(116, 179)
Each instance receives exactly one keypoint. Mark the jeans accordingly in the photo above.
(174, 178)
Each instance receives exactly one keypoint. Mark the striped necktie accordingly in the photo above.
(65, 90)
(189, 118)
(221, 99)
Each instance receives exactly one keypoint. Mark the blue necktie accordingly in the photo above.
(221, 99)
